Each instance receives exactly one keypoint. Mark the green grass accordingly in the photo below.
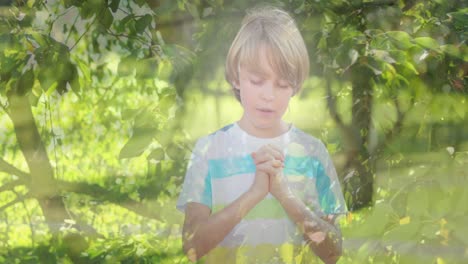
(420, 213)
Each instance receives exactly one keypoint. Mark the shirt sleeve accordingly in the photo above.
(197, 182)
(329, 193)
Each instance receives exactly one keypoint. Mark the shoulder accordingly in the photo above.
(311, 144)
(216, 139)
(224, 130)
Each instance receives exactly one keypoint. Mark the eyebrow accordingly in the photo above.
(262, 74)
(257, 72)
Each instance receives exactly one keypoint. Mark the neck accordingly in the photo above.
(263, 132)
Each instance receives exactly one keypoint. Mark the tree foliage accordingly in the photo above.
(92, 93)
(89, 52)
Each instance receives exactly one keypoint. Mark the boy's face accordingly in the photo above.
(264, 95)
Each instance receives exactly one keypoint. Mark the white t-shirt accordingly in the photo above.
(221, 169)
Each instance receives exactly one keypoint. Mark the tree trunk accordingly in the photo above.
(359, 159)
(43, 186)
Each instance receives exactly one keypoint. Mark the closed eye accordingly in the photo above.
(256, 82)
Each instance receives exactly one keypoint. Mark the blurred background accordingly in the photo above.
(102, 101)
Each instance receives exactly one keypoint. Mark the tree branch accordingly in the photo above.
(398, 123)
(362, 6)
(18, 199)
(396, 129)
(69, 32)
(11, 185)
(86, 31)
(188, 19)
(104, 194)
(8, 168)
(331, 103)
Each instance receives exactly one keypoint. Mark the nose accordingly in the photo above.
(268, 92)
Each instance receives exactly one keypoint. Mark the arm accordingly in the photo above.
(203, 231)
(322, 236)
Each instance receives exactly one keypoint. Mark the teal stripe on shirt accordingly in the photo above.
(207, 192)
(307, 166)
(311, 167)
(222, 168)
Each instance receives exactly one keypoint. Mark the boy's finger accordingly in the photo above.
(270, 167)
(275, 151)
(277, 163)
(270, 170)
(265, 154)
(260, 157)
(257, 157)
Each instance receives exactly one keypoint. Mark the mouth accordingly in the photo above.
(265, 110)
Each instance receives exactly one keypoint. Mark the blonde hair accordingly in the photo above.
(275, 29)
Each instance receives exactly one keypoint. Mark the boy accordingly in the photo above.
(260, 190)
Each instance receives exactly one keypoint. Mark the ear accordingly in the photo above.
(236, 85)
(295, 91)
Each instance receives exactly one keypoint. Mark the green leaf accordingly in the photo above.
(127, 66)
(68, 3)
(114, 5)
(33, 99)
(410, 67)
(376, 223)
(174, 151)
(36, 89)
(157, 154)
(164, 137)
(440, 202)
(66, 71)
(192, 10)
(398, 55)
(383, 55)
(25, 82)
(146, 121)
(164, 70)
(142, 23)
(452, 50)
(460, 227)
(128, 114)
(53, 87)
(87, 10)
(75, 83)
(401, 39)
(370, 247)
(10, 85)
(84, 69)
(166, 102)
(402, 233)
(46, 77)
(40, 39)
(107, 18)
(418, 203)
(460, 19)
(140, 3)
(460, 200)
(375, 65)
(427, 42)
(429, 230)
(9, 64)
(146, 68)
(136, 145)
(126, 19)
(401, 80)
(207, 11)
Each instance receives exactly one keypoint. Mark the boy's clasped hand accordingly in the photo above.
(269, 162)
